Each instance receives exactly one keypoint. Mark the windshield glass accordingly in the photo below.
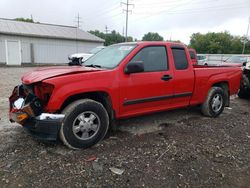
(111, 56)
(95, 50)
(236, 59)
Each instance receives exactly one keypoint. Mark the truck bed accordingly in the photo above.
(208, 74)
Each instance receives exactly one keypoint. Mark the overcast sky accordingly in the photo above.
(175, 19)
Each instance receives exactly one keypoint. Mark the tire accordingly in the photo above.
(86, 123)
(214, 103)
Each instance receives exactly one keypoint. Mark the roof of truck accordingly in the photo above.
(154, 43)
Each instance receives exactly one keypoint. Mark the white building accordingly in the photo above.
(37, 43)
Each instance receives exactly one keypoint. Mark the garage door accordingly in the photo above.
(13, 51)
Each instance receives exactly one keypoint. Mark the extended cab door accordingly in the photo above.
(150, 90)
(183, 80)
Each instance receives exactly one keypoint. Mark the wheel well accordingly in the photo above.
(225, 87)
(98, 96)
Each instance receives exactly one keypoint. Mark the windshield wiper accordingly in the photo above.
(92, 65)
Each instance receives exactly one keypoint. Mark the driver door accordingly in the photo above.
(150, 90)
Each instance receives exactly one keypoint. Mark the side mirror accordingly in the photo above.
(134, 67)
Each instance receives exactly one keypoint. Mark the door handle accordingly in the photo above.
(166, 77)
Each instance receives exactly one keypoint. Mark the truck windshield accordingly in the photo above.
(110, 57)
(96, 50)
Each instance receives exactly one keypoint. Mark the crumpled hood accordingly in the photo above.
(49, 72)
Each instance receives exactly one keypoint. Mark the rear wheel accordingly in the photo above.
(86, 123)
(214, 103)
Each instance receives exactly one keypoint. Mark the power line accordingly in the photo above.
(209, 9)
(103, 12)
(162, 7)
(169, 8)
(198, 10)
(127, 11)
(194, 11)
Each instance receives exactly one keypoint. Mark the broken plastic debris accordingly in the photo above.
(180, 175)
(92, 158)
(229, 108)
(19, 103)
(117, 170)
(44, 116)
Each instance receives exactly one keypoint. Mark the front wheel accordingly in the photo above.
(214, 103)
(86, 123)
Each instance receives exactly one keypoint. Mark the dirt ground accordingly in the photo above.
(178, 148)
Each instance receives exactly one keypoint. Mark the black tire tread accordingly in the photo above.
(205, 107)
(69, 109)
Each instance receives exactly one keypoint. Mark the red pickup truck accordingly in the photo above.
(79, 104)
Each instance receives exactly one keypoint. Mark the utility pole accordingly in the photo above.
(127, 4)
(106, 32)
(106, 29)
(78, 21)
(245, 41)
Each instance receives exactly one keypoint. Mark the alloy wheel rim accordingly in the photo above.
(217, 102)
(86, 125)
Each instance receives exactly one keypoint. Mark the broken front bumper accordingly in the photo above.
(47, 129)
(29, 114)
(245, 83)
(44, 126)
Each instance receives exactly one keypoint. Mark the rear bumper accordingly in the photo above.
(44, 129)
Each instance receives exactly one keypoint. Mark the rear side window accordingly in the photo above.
(192, 55)
(180, 58)
(153, 57)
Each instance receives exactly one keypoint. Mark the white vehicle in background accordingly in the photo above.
(79, 58)
(202, 59)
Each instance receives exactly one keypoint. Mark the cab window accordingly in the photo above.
(154, 58)
(180, 58)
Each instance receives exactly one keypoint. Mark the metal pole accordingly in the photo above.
(244, 44)
(126, 37)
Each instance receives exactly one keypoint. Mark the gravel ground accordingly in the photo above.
(178, 148)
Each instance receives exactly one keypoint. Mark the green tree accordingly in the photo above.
(111, 38)
(25, 20)
(222, 42)
(150, 36)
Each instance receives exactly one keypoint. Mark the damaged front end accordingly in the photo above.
(245, 82)
(27, 107)
(246, 77)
